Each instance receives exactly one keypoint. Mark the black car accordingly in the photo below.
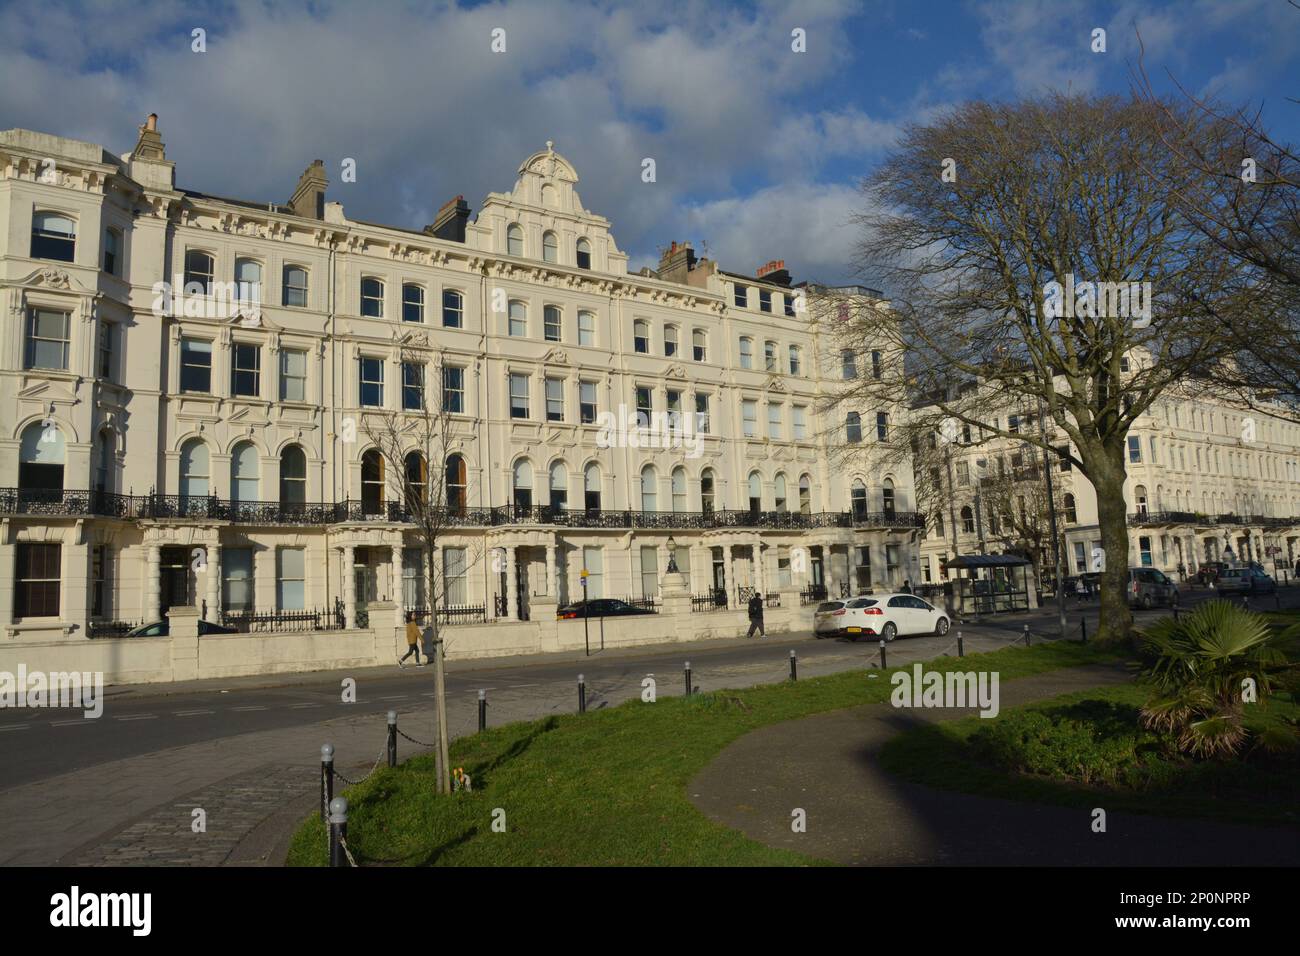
(600, 607)
(162, 629)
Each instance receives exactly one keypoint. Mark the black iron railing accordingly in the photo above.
(813, 594)
(714, 600)
(259, 622)
(772, 599)
(500, 605)
(642, 602)
(73, 503)
(96, 629)
(452, 614)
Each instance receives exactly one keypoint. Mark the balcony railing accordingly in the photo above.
(71, 503)
(1147, 519)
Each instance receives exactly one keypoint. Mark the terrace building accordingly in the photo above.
(200, 446)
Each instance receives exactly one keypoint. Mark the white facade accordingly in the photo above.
(149, 458)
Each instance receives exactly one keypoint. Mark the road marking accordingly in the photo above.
(394, 697)
(248, 708)
(190, 713)
(302, 706)
(70, 723)
(517, 686)
(14, 727)
(138, 717)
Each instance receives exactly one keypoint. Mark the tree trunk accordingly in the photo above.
(440, 706)
(1108, 480)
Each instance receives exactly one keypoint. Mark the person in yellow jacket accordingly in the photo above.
(412, 640)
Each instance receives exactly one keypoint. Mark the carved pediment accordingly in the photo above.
(675, 371)
(775, 384)
(557, 356)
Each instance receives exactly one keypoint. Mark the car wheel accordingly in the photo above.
(941, 628)
(890, 632)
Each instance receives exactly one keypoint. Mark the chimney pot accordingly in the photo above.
(152, 122)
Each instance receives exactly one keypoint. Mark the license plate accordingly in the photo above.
(854, 630)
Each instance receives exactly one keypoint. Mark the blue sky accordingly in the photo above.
(758, 149)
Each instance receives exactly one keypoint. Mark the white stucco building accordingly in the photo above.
(206, 453)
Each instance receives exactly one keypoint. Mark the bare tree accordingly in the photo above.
(1018, 510)
(416, 444)
(1034, 254)
(1244, 198)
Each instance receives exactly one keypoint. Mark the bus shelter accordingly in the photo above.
(991, 583)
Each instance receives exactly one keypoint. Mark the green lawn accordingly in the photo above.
(608, 787)
(1263, 789)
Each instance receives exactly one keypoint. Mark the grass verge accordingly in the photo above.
(609, 787)
(1264, 789)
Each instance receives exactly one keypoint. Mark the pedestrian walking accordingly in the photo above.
(756, 616)
(907, 587)
(412, 641)
(1081, 588)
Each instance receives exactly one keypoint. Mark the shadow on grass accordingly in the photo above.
(483, 770)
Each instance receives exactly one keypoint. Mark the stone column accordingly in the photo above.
(395, 559)
(552, 582)
(512, 585)
(349, 588)
(760, 581)
(153, 583)
(213, 572)
(728, 574)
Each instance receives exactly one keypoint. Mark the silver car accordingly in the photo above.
(1244, 581)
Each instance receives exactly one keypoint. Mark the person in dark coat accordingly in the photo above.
(756, 616)
(907, 587)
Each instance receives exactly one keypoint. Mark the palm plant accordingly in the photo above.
(1198, 666)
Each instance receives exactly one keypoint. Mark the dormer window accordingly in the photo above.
(765, 300)
(741, 296)
(584, 254)
(54, 236)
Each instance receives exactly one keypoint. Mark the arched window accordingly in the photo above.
(104, 462)
(887, 497)
(248, 280)
(679, 489)
(591, 487)
(514, 240)
(754, 487)
(41, 459)
(194, 469)
(412, 302)
(649, 489)
(858, 498)
(1071, 514)
(293, 477)
(295, 286)
(706, 491)
(552, 323)
(584, 254)
(670, 341)
(54, 236)
(415, 479)
(805, 495)
(200, 268)
(457, 486)
(550, 247)
(523, 475)
(1140, 498)
(853, 427)
(518, 318)
(586, 328)
(372, 482)
(779, 496)
(243, 472)
(967, 520)
(372, 298)
(559, 485)
(453, 309)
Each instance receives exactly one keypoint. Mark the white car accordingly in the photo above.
(879, 615)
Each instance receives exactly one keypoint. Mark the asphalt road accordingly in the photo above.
(142, 719)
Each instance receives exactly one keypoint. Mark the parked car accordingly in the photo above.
(1148, 587)
(1248, 580)
(600, 607)
(161, 629)
(881, 615)
(1209, 571)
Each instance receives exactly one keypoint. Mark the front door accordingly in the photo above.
(521, 588)
(175, 582)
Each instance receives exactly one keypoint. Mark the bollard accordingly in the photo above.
(1026, 635)
(1083, 630)
(1175, 612)
(392, 738)
(338, 830)
(1245, 602)
(482, 710)
(961, 651)
(326, 779)
(882, 653)
(688, 678)
(582, 694)
(794, 667)
(1277, 601)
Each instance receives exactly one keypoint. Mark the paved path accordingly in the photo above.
(858, 814)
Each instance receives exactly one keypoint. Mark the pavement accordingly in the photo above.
(124, 788)
(858, 814)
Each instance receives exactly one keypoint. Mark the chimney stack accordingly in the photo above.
(308, 198)
(451, 220)
(676, 262)
(774, 271)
